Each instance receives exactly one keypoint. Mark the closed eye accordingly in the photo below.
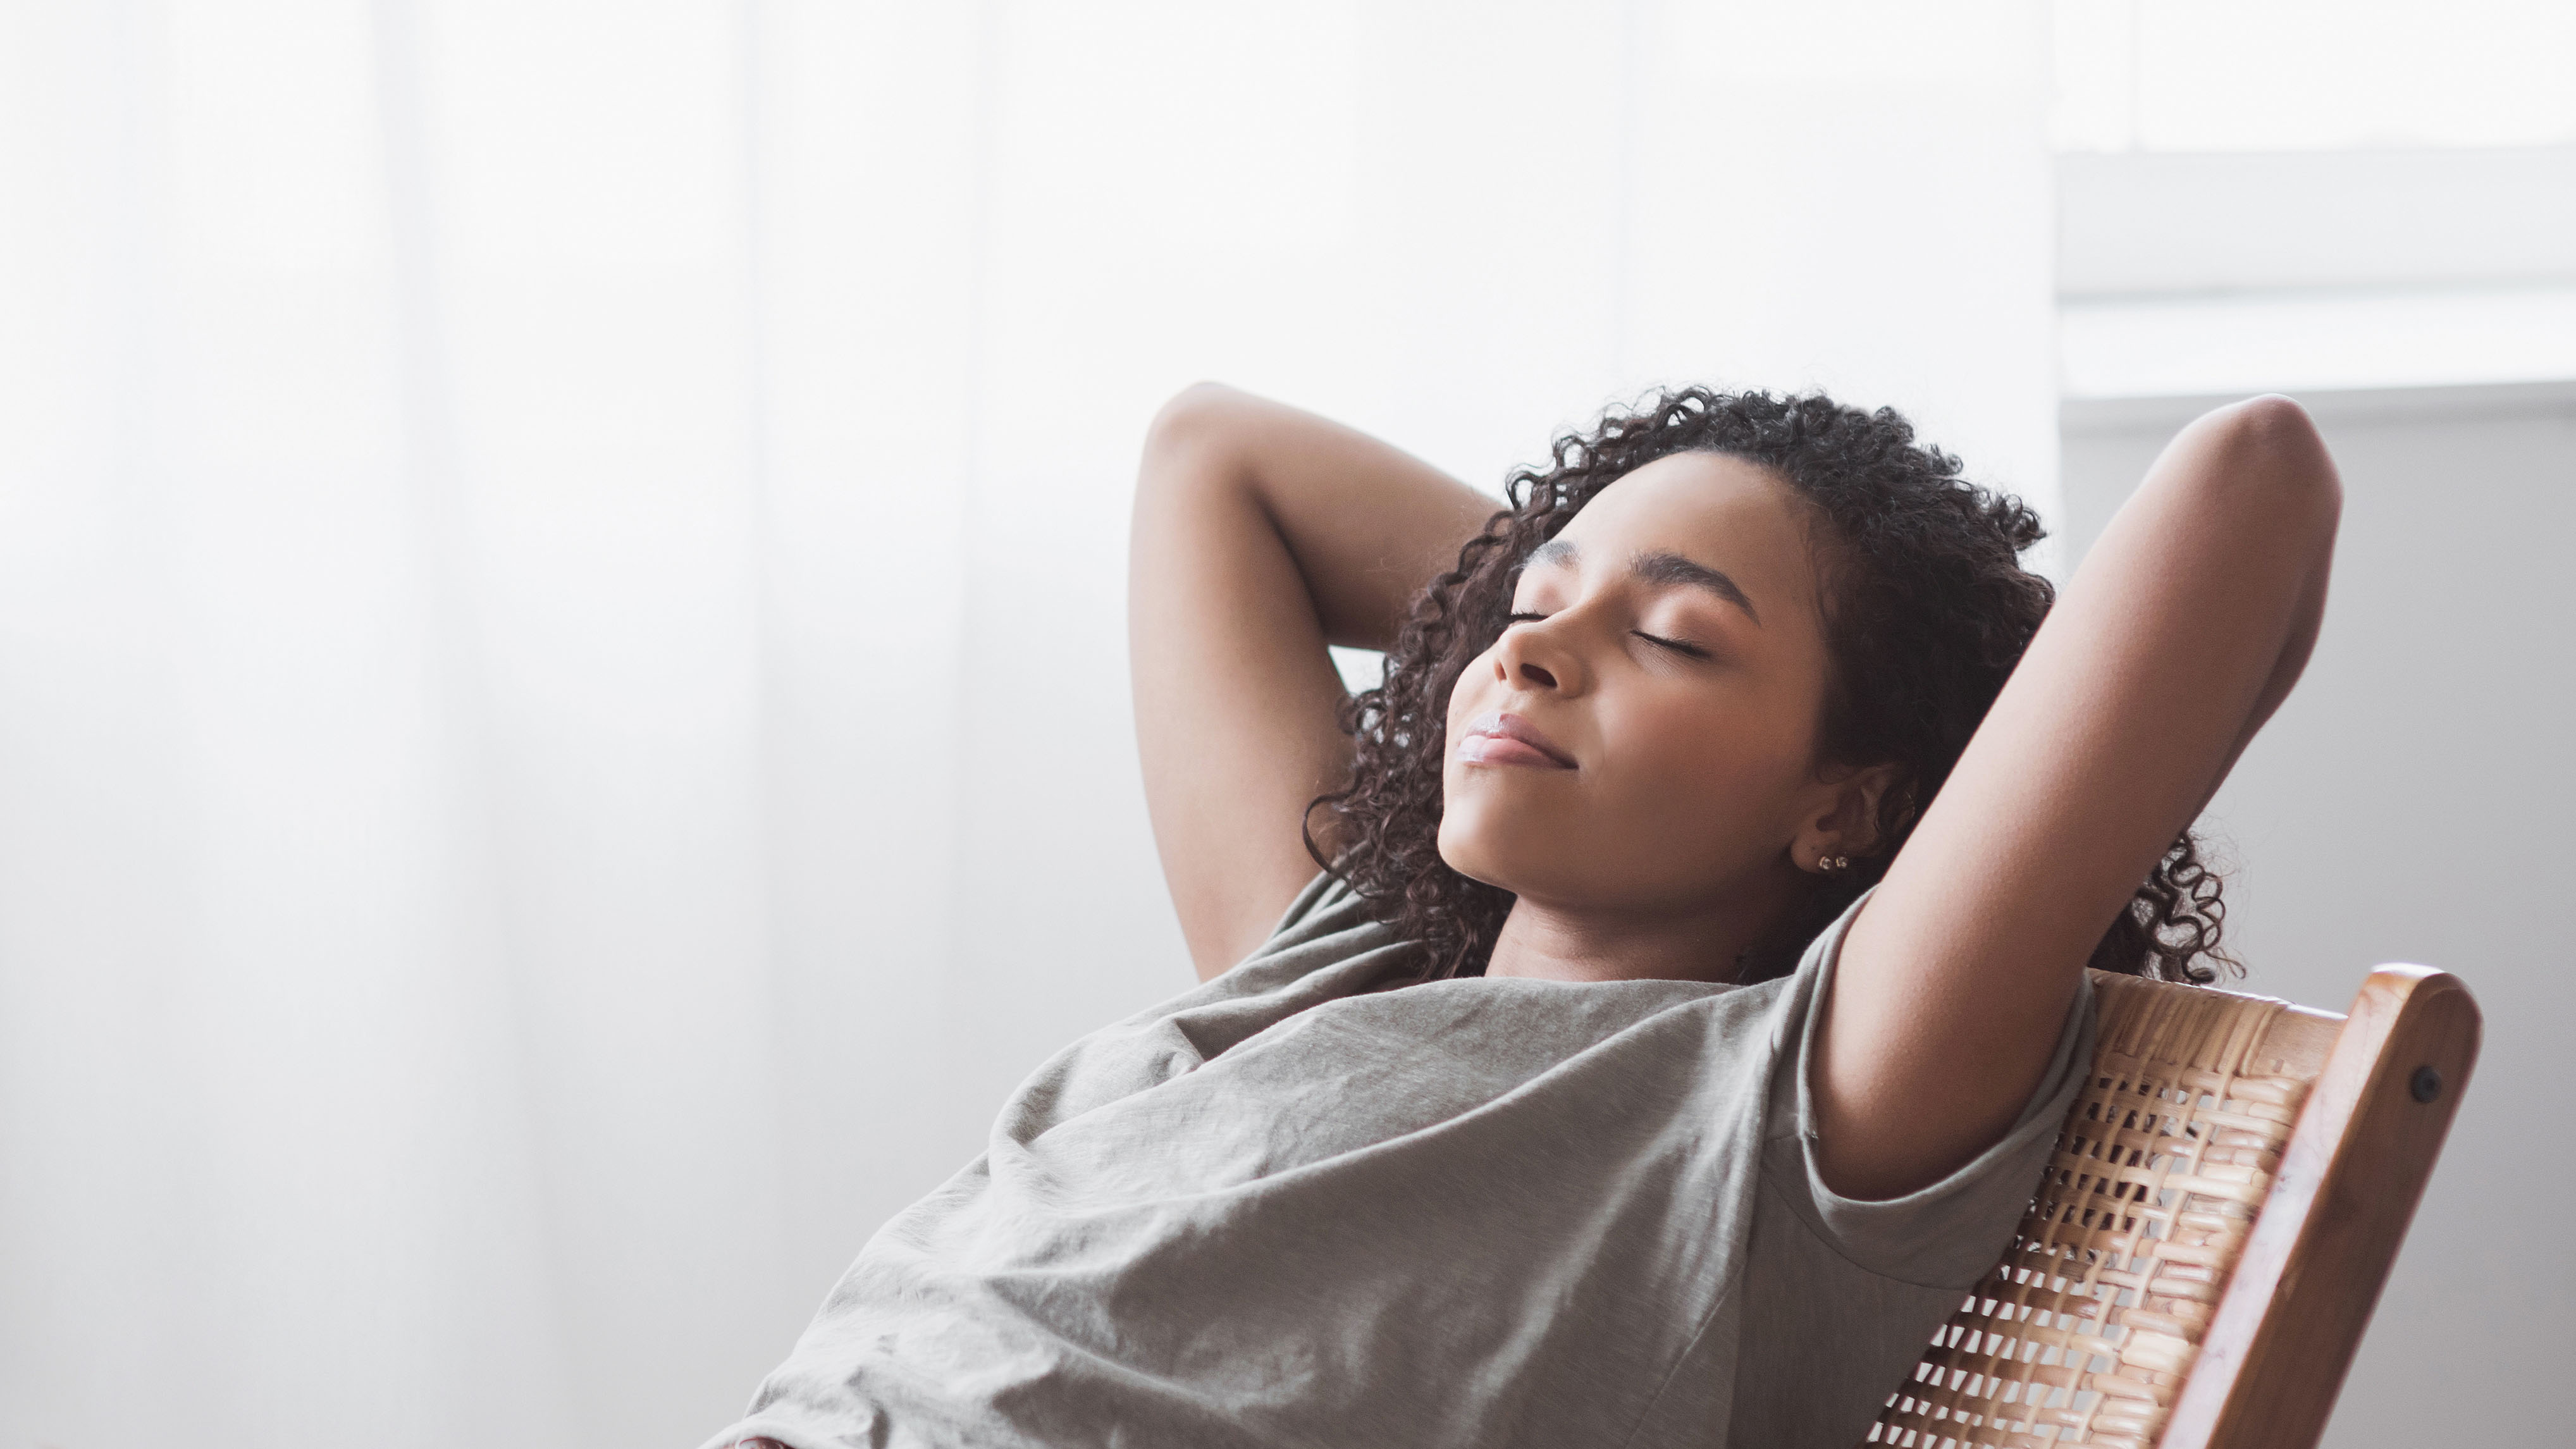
(1678, 646)
(1523, 618)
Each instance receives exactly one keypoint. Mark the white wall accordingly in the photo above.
(2412, 802)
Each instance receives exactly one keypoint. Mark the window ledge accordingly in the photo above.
(2232, 344)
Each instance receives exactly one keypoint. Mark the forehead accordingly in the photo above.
(1710, 508)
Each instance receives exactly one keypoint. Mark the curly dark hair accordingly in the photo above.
(1927, 610)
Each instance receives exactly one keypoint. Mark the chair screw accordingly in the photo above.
(2427, 1084)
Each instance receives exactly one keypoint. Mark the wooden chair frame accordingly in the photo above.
(2077, 1339)
(2321, 1249)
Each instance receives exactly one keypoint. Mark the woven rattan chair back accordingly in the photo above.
(2225, 1199)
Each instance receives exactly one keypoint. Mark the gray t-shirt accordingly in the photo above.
(1282, 1210)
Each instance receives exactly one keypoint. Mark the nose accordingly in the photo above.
(1538, 656)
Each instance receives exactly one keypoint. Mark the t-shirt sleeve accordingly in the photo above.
(1947, 1234)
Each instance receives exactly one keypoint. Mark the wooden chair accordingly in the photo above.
(2225, 1200)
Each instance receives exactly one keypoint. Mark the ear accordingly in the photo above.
(1846, 821)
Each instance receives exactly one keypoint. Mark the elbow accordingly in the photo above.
(2275, 467)
(1184, 450)
(1190, 419)
(1196, 441)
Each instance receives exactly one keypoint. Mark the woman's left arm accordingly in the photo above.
(2182, 632)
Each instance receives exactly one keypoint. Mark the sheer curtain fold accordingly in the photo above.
(563, 732)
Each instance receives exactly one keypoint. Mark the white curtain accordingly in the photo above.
(563, 730)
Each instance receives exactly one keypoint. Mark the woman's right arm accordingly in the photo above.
(1261, 535)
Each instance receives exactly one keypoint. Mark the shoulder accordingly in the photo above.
(1948, 1232)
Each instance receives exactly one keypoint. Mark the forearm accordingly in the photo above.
(1365, 524)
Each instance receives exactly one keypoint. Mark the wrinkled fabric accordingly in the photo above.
(1282, 1210)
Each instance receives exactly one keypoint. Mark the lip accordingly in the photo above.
(1495, 738)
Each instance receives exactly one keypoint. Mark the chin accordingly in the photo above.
(1466, 839)
(1488, 845)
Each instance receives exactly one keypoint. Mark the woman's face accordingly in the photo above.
(1642, 737)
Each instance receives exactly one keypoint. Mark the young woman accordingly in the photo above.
(1694, 977)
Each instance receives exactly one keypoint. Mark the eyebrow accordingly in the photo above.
(1661, 567)
(1671, 568)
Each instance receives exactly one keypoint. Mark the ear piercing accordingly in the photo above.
(1829, 864)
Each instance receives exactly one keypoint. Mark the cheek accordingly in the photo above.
(1719, 770)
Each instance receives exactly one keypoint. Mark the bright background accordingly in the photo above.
(563, 725)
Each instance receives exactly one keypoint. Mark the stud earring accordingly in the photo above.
(1833, 863)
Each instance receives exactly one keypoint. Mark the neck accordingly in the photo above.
(1546, 942)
